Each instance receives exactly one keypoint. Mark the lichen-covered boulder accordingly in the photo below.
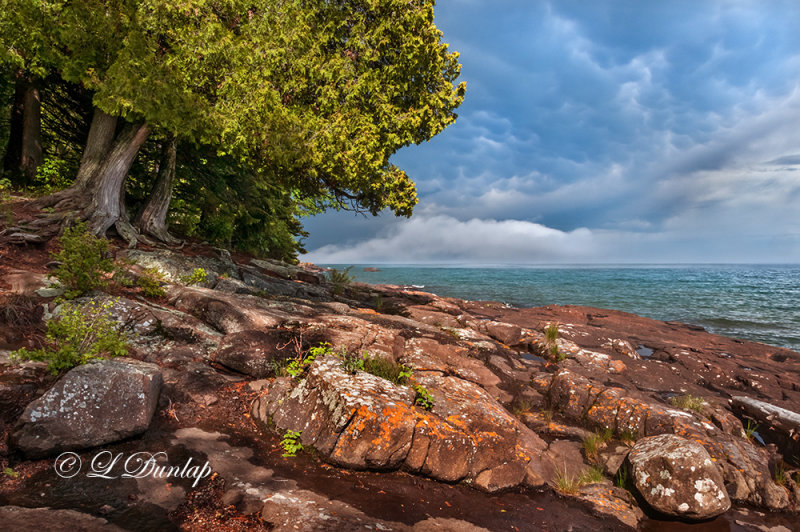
(93, 404)
(678, 477)
(366, 422)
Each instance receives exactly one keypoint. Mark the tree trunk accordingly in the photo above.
(152, 220)
(32, 155)
(98, 143)
(104, 209)
(24, 151)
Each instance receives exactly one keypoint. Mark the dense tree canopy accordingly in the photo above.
(271, 107)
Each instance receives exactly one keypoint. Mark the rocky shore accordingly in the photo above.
(552, 418)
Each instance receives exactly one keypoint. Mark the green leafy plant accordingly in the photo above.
(352, 363)
(150, 282)
(198, 276)
(423, 399)
(291, 443)
(84, 261)
(688, 402)
(52, 175)
(297, 367)
(10, 473)
(78, 335)
(340, 279)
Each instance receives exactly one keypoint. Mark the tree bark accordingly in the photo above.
(32, 154)
(24, 150)
(152, 220)
(104, 209)
(98, 144)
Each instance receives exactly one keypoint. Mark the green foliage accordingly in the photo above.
(621, 478)
(592, 475)
(750, 430)
(423, 399)
(198, 276)
(291, 443)
(298, 366)
(53, 174)
(150, 282)
(6, 215)
(78, 335)
(83, 261)
(781, 476)
(352, 363)
(596, 441)
(340, 279)
(551, 333)
(688, 402)
(384, 368)
(10, 473)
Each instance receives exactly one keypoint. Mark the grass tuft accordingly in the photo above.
(688, 402)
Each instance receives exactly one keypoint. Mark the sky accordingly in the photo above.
(602, 132)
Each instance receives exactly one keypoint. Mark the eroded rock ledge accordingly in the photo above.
(507, 414)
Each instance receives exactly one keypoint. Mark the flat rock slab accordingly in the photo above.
(677, 477)
(93, 404)
(38, 519)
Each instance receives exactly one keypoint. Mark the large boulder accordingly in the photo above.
(366, 422)
(677, 477)
(93, 404)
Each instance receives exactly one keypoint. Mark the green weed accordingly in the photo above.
(291, 443)
(83, 261)
(423, 399)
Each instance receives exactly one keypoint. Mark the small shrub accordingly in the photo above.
(386, 369)
(297, 367)
(352, 363)
(10, 473)
(291, 443)
(340, 279)
(150, 282)
(53, 175)
(77, 336)
(423, 399)
(121, 276)
(83, 261)
(688, 402)
(198, 275)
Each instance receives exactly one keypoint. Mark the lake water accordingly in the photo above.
(752, 302)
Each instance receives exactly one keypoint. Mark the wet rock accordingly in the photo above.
(612, 502)
(677, 477)
(93, 404)
(38, 519)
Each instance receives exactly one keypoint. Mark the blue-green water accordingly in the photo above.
(752, 302)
